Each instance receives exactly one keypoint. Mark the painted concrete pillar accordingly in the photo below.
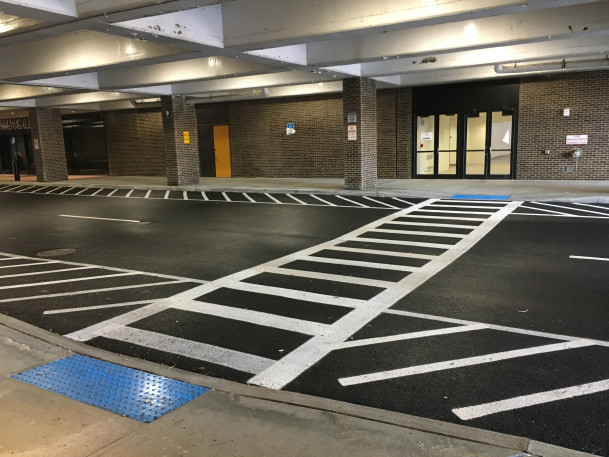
(359, 110)
(180, 141)
(49, 148)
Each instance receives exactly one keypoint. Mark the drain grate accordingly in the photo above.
(133, 393)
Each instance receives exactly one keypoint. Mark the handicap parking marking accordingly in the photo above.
(558, 209)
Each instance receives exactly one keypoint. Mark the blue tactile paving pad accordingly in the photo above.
(132, 393)
(479, 197)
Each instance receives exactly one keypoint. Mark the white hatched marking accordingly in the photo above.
(441, 205)
(466, 362)
(67, 190)
(553, 205)
(97, 192)
(204, 195)
(113, 192)
(36, 273)
(166, 197)
(404, 243)
(61, 281)
(452, 212)
(424, 216)
(409, 336)
(81, 191)
(200, 351)
(226, 197)
(249, 198)
(21, 265)
(415, 232)
(596, 207)
(148, 194)
(90, 291)
(603, 259)
(93, 308)
(524, 401)
(322, 200)
(253, 317)
(296, 294)
(184, 195)
(380, 252)
(17, 257)
(296, 199)
(100, 218)
(431, 224)
(30, 187)
(129, 193)
(330, 277)
(403, 201)
(381, 203)
(273, 198)
(360, 263)
(41, 188)
(545, 210)
(351, 201)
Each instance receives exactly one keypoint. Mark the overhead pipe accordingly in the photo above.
(553, 66)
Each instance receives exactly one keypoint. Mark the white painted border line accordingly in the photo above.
(423, 216)
(553, 205)
(100, 218)
(453, 212)
(226, 197)
(322, 200)
(253, 317)
(29, 187)
(588, 258)
(61, 281)
(113, 192)
(329, 277)
(594, 206)
(415, 232)
(409, 336)
(296, 199)
(166, 197)
(351, 201)
(381, 203)
(17, 257)
(205, 197)
(273, 198)
(248, 197)
(184, 195)
(148, 193)
(81, 191)
(97, 192)
(241, 361)
(381, 252)
(460, 363)
(561, 215)
(402, 243)
(524, 401)
(21, 265)
(40, 188)
(67, 190)
(403, 201)
(432, 224)
(359, 263)
(93, 308)
(129, 193)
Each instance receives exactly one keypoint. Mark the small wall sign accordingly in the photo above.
(352, 117)
(352, 132)
(576, 139)
(186, 137)
(290, 130)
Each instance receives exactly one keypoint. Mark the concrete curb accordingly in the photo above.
(519, 444)
(332, 191)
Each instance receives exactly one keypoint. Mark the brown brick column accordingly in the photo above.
(359, 97)
(181, 158)
(49, 148)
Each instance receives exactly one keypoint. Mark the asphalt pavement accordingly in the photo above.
(476, 313)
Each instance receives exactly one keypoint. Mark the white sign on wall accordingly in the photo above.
(426, 136)
(352, 132)
(577, 139)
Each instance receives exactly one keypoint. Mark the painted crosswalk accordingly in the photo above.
(301, 198)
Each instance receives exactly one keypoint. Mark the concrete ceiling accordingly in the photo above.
(105, 54)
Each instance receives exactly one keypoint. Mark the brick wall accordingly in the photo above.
(260, 146)
(135, 143)
(181, 156)
(386, 133)
(541, 125)
(50, 156)
(404, 134)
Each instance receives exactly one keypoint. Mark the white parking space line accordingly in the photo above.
(96, 307)
(414, 232)
(403, 201)
(226, 197)
(81, 191)
(329, 277)
(381, 203)
(273, 198)
(148, 194)
(205, 197)
(602, 259)
(129, 193)
(213, 354)
(166, 197)
(249, 198)
(88, 291)
(359, 263)
(524, 401)
(460, 363)
(101, 218)
(296, 199)
(253, 317)
(184, 195)
(409, 336)
(322, 200)
(37, 273)
(97, 192)
(380, 252)
(114, 191)
(61, 281)
(67, 190)
(351, 201)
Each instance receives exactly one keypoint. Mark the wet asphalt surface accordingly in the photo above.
(518, 276)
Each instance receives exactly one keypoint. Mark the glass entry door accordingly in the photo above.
(488, 145)
(437, 145)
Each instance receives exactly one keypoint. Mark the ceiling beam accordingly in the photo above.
(10, 92)
(44, 10)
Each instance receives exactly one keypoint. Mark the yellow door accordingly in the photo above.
(222, 151)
